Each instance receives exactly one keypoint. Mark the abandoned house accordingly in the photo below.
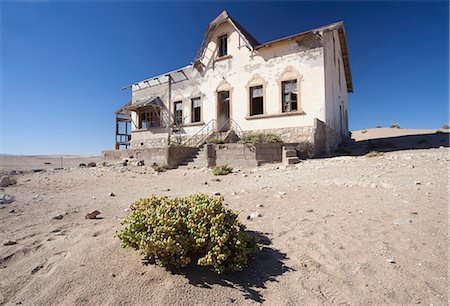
(295, 87)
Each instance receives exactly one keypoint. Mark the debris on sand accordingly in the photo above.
(6, 180)
(10, 242)
(253, 215)
(401, 221)
(91, 164)
(58, 217)
(92, 214)
(111, 194)
(6, 198)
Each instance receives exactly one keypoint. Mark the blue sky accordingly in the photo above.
(63, 63)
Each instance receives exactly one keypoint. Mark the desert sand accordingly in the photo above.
(348, 229)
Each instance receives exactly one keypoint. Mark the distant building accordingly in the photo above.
(296, 87)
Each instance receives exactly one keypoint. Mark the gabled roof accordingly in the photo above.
(253, 43)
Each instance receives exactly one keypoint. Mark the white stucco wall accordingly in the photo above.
(305, 60)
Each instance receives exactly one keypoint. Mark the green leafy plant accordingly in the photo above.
(374, 154)
(260, 138)
(181, 231)
(222, 170)
(215, 140)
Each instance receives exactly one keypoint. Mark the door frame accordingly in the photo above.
(230, 94)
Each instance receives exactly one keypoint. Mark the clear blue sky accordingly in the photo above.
(63, 63)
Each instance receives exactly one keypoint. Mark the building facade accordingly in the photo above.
(296, 87)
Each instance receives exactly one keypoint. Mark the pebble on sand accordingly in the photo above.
(92, 214)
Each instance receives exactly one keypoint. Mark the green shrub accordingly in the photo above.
(215, 140)
(260, 138)
(222, 170)
(374, 154)
(181, 231)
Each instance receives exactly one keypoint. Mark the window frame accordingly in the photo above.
(291, 101)
(177, 117)
(251, 106)
(151, 118)
(193, 110)
(221, 52)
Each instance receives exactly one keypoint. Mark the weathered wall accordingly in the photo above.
(269, 66)
(243, 155)
(177, 154)
(336, 96)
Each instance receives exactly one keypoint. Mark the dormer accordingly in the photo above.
(223, 37)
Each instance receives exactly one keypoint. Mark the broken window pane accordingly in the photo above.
(289, 94)
(178, 113)
(223, 47)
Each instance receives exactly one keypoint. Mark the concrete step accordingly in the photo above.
(290, 153)
(291, 160)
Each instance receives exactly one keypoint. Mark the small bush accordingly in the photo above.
(222, 170)
(181, 231)
(215, 140)
(374, 154)
(446, 127)
(159, 168)
(378, 126)
(394, 126)
(260, 138)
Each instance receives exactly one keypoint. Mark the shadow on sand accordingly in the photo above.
(390, 144)
(265, 266)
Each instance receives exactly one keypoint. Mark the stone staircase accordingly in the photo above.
(196, 161)
(290, 155)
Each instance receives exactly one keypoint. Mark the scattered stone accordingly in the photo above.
(111, 194)
(205, 183)
(259, 205)
(401, 221)
(391, 260)
(10, 242)
(92, 214)
(6, 198)
(216, 193)
(310, 210)
(253, 215)
(244, 175)
(91, 164)
(282, 193)
(417, 183)
(414, 213)
(217, 180)
(166, 189)
(12, 211)
(6, 180)
(233, 193)
(37, 170)
(139, 163)
(82, 165)
(58, 217)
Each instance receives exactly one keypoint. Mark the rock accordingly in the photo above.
(233, 193)
(282, 193)
(6, 180)
(391, 260)
(82, 165)
(111, 194)
(10, 242)
(310, 210)
(244, 175)
(6, 199)
(37, 170)
(58, 217)
(91, 164)
(417, 183)
(139, 162)
(92, 214)
(216, 193)
(259, 205)
(253, 215)
(166, 189)
(401, 221)
(205, 183)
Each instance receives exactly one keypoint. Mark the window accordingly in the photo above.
(149, 118)
(223, 48)
(289, 96)
(256, 100)
(196, 110)
(178, 106)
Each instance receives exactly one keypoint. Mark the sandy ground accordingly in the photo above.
(330, 239)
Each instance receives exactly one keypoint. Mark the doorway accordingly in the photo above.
(223, 111)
